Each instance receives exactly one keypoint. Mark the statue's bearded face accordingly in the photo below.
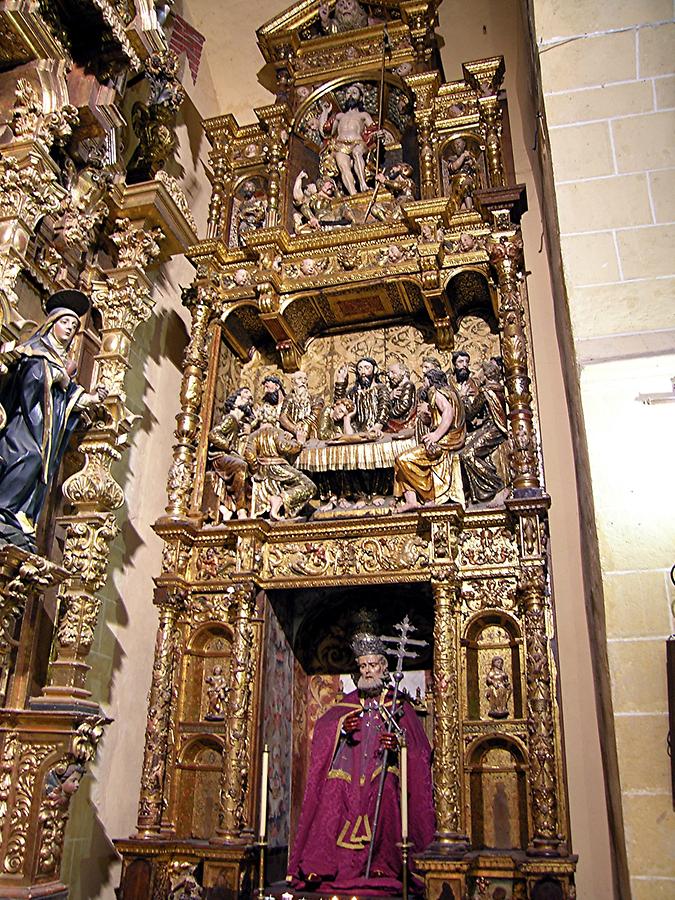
(461, 366)
(372, 672)
(300, 383)
(271, 394)
(365, 374)
(347, 9)
(353, 97)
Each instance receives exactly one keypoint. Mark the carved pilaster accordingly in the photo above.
(450, 827)
(236, 760)
(425, 87)
(276, 121)
(544, 791)
(123, 299)
(150, 805)
(28, 191)
(22, 575)
(491, 115)
(181, 474)
(506, 255)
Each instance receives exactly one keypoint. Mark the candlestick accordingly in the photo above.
(403, 777)
(262, 829)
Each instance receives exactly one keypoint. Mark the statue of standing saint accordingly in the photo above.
(216, 694)
(498, 691)
(40, 406)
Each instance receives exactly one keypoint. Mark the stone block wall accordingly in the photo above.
(609, 107)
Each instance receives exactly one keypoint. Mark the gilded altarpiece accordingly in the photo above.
(393, 254)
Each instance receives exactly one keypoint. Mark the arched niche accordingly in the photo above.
(490, 635)
(249, 206)
(496, 772)
(208, 649)
(198, 771)
(450, 153)
(468, 292)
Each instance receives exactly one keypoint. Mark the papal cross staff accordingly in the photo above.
(386, 51)
(400, 650)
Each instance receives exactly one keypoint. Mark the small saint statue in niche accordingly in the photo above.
(498, 691)
(348, 15)
(216, 694)
(252, 211)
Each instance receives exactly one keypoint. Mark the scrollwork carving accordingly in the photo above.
(347, 557)
(136, 246)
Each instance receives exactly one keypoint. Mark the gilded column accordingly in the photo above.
(425, 87)
(506, 255)
(122, 296)
(451, 836)
(545, 837)
(151, 804)
(491, 114)
(219, 132)
(188, 420)
(236, 761)
(276, 122)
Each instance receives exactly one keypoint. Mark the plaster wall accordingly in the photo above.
(227, 81)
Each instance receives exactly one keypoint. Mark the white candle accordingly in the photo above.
(262, 830)
(404, 791)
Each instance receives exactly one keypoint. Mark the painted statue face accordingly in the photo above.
(72, 783)
(427, 366)
(244, 398)
(270, 387)
(365, 369)
(394, 374)
(248, 189)
(346, 7)
(372, 665)
(339, 411)
(299, 380)
(65, 328)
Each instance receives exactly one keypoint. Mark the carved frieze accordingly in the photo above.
(407, 556)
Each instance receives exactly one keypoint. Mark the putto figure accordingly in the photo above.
(369, 396)
(40, 406)
(330, 851)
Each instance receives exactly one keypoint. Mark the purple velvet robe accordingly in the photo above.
(332, 839)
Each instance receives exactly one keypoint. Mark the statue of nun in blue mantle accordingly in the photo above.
(40, 406)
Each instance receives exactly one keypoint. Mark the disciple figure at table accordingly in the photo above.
(330, 850)
(269, 453)
(403, 397)
(368, 394)
(300, 408)
(486, 430)
(225, 452)
(40, 406)
(430, 473)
